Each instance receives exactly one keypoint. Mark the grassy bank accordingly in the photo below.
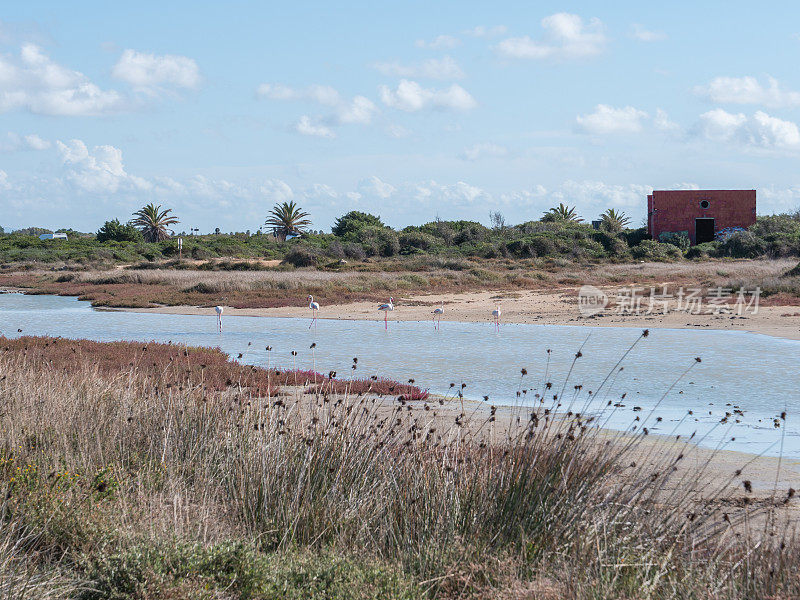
(153, 471)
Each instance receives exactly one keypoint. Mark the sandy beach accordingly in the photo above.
(537, 307)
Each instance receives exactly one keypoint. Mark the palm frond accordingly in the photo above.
(153, 222)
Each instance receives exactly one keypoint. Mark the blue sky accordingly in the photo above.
(408, 110)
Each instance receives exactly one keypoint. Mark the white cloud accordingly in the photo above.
(306, 127)
(14, 142)
(358, 110)
(153, 74)
(33, 82)
(98, 171)
(320, 192)
(440, 42)
(432, 68)
(566, 36)
(220, 190)
(276, 190)
(168, 185)
(373, 187)
(760, 130)
(459, 194)
(4, 184)
(520, 198)
(277, 91)
(607, 119)
(748, 90)
(772, 199)
(482, 31)
(641, 33)
(482, 150)
(663, 122)
(322, 94)
(397, 131)
(34, 142)
(410, 96)
(598, 195)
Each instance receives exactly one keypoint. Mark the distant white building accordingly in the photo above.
(53, 236)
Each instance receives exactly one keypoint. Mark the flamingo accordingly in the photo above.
(314, 306)
(437, 315)
(218, 310)
(386, 308)
(496, 316)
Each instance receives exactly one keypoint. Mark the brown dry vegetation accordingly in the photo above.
(136, 288)
(117, 486)
(175, 366)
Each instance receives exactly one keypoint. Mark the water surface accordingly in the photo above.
(757, 373)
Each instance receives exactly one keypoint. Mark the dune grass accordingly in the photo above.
(131, 479)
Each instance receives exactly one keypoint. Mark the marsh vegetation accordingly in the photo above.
(194, 479)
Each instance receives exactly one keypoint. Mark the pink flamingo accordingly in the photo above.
(314, 306)
(437, 316)
(218, 310)
(496, 316)
(386, 308)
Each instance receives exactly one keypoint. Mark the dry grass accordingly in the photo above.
(169, 366)
(377, 281)
(186, 489)
(249, 289)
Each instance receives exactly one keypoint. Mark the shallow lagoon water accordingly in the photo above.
(757, 373)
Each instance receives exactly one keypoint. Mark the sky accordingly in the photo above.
(410, 110)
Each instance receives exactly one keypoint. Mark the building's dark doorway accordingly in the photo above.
(703, 230)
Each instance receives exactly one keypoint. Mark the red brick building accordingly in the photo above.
(699, 213)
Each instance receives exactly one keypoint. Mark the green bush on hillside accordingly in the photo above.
(353, 222)
(114, 231)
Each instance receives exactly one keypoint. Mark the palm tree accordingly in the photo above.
(287, 219)
(153, 222)
(614, 220)
(562, 212)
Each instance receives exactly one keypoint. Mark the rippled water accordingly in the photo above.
(757, 373)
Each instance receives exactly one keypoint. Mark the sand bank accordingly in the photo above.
(537, 307)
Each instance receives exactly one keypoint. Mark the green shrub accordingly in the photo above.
(353, 222)
(303, 256)
(354, 251)
(780, 234)
(233, 569)
(634, 237)
(200, 253)
(378, 241)
(469, 231)
(652, 250)
(416, 240)
(534, 245)
(440, 229)
(613, 243)
(114, 231)
(703, 251)
(742, 244)
(679, 239)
